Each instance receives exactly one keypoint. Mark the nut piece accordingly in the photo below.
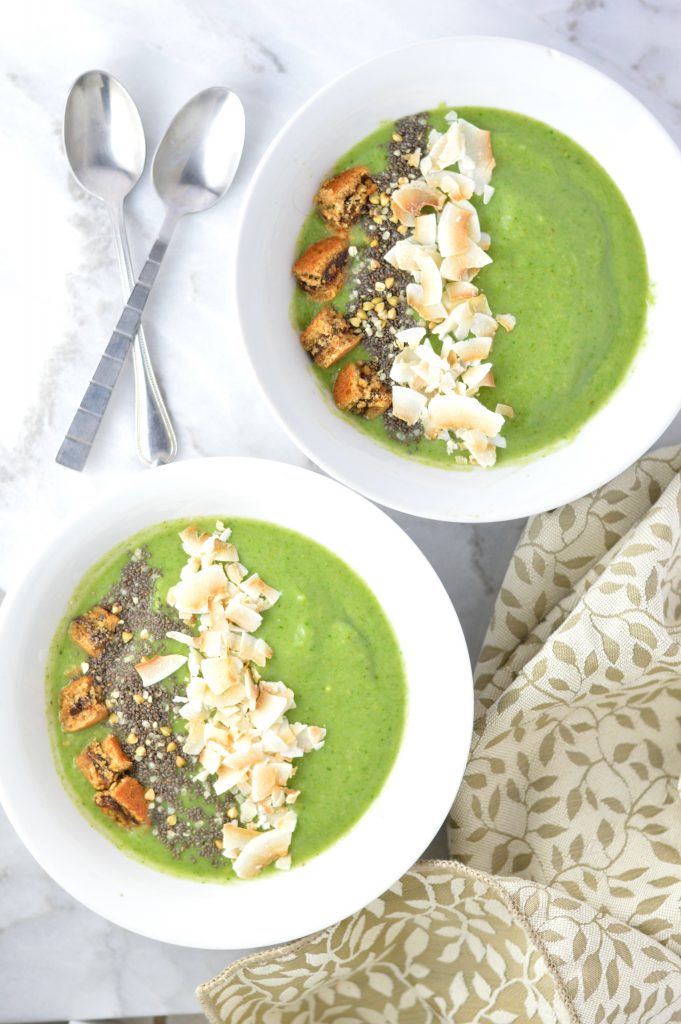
(102, 763)
(329, 337)
(320, 270)
(81, 704)
(93, 630)
(342, 199)
(125, 803)
(360, 390)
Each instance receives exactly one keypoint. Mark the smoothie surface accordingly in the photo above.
(332, 644)
(569, 264)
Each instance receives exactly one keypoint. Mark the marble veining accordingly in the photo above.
(61, 296)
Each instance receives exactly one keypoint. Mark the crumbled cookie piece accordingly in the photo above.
(81, 704)
(329, 337)
(359, 389)
(93, 630)
(341, 199)
(103, 763)
(125, 803)
(321, 268)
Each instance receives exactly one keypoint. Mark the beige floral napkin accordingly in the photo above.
(564, 902)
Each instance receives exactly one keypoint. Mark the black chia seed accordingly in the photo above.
(146, 723)
(371, 269)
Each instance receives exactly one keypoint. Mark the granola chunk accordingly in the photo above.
(329, 337)
(93, 630)
(81, 704)
(360, 390)
(342, 198)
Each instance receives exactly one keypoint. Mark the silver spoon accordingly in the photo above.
(194, 166)
(105, 147)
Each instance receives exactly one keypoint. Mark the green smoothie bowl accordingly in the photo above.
(224, 704)
(470, 288)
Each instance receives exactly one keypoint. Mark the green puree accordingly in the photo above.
(332, 645)
(568, 262)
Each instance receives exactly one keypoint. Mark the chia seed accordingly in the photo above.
(379, 336)
(140, 711)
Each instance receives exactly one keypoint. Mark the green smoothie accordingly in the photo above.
(332, 644)
(569, 264)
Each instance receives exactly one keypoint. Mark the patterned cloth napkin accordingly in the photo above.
(564, 901)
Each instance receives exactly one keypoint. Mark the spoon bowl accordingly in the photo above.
(103, 137)
(198, 156)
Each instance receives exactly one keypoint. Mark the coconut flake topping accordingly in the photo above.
(438, 372)
(237, 722)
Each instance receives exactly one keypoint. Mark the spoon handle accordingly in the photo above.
(76, 446)
(154, 434)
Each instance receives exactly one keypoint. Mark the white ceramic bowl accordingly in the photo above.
(534, 80)
(396, 828)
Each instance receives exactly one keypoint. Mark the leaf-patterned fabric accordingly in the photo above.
(563, 902)
(576, 756)
(442, 944)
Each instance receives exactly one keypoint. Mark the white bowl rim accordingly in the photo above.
(593, 476)
(331, 902)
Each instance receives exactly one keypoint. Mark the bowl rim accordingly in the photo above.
(370, 487)
(316, 916)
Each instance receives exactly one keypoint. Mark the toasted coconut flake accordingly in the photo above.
(269, 707)
(452, 230)
(408, 405)
(453, 268)
(235, 573)
(263, 781)
(182, 638)
(212, 642)
(483, 325)
(222, 673)
(405, 255)
(506, 411)
(475, 376)
(218, 550)
(251, 649)
(415, 299)
(408, 201)
(425, 229)
(457, 292)
(457, 186)
(411, 336)
(478, 161)
(472, 349)
(192, 541)
(430, 280)
(234, 839)
(159, 667)
(310, 737)
(256, 588)
(404, 366)
(241, 614)
(448, 148)
(195, 740)
(192, 595)
(507, 321)
(266, 848)
(482, 451)
(454, 412)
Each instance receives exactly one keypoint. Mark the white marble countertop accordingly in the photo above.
(61, 295)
